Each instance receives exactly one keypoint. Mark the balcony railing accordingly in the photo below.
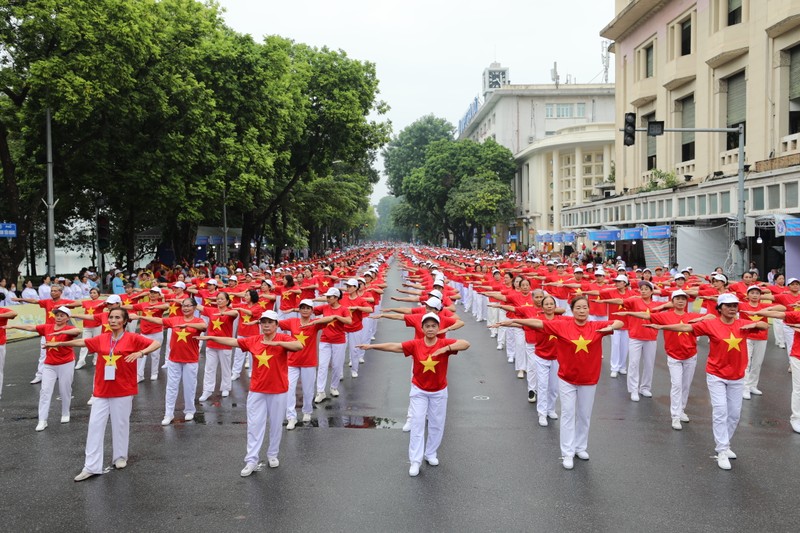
(790, 144)
(685, 168)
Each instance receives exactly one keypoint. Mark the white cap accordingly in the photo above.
(727, 298)
(270, 315)
(436, 293)
(63, 309)
(579, 269)
(679, 276)
(754, 287)
(352, 282)
(720, 277)
(792, 280)
(156, 290)
(269, 282)
(621, 267)
(589, 265)
(179, 284)
(436, 303)
(113, 299)
(238, 270)
(309, 303)
(212, 281)
(675, 294)
(434, 316)
(599, 272)
(644, 282)
(621, 278)
(333, 291)
(233, 278)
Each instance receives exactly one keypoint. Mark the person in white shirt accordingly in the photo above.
(44, 289)
(29, 292)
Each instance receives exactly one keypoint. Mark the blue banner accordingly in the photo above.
(570, 237)
(631, 234)
(558, 237)
(8, 230)
(788, 228)
(604, 235)
(656, 232)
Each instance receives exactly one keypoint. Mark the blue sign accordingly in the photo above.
(604, 235)
(472, 110)
(631, 234)
(8, 230)
(570, 237)
(656, 232)
(558, 237)
(788, 228)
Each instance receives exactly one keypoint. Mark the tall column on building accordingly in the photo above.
(556, 158)
(608, 153)
(578, 175)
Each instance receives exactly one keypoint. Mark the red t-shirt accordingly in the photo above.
(219, 325)
(355, 314)
(270, 364)
(307, 335)
(333, 332)
(249, 324)
(3, 322)
(613, 294)
(788, 300)
(678, 344)
(546, 344)
(146, 309)
(62, 354)
(755, 334)
(579, 349)
(636, 325)
(90, 307)
(793, 317)
(124, 382)
(429, 373)
(183, 344)
(50, 304)
(727, 352)
(528, 312)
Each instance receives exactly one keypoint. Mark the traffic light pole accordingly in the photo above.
(741, 233)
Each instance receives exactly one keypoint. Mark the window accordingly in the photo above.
(794, 90)
(701, 205)
(648, 62)
(681, 207)
(736, 106)
(651, 144)
(687, 121)
(580, 110)
(790, 194)
(668, 208)
(734, 12)
(564, 111)
(690, 206)
(549, 110)
(774, 197)
(725, 202)
(758, 199)
(686, 37)
(712, 204)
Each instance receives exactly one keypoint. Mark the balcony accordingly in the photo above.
(790, 144)
(685, 168)
(729, 160)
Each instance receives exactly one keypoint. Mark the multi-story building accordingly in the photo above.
(710, 64)
(561, 135)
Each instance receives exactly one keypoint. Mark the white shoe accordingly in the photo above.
(723, 462)
(543, 421)
(334, 392)
(684, 418)
(306, 418)
(234, 376)
(65, 419)
(81, 364)
(139, 379)
(500, 346)
(521, 374)
(36, 380)
(552, 415)
(567, 462)
(676, 424)
(353, 374)
(226, 393)
(361, 360)
(291, 423)
(320, 397)
(746, 394)
(583, 456)
(273, 462)
(205, 396)
(91, 401)
(372, 338)
(413, 471)
(623, 371)
(350, 364)
(164, 365)
(85, 474)
(41, 425)
(154, 377)
(120, 463)
(167, 420)
(730, 454)
(407, 426)
(646, 393)
(248, 469)
(188, 417)
(795, 426)
(755, 391)
(614, 373)
(634, 397)
(433, 461)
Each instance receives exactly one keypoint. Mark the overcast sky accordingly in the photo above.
(430, 54)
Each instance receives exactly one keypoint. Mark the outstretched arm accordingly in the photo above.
(394, 347)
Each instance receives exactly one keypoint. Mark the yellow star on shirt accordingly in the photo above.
(106, 327)
(52, 339)
(578, 291)
(797, 308)
(581, 344)
(126, 302)
(552, 338)
(301, 337)
(755, 318)
(527, 304)
(263, 359)
(50, 314)
(202, 284)
(682, 332)
(560, 282)
(429, 364)
(111, 360)
(148, 313)
(181, 335)
(325, 283)
(217, 324)
(90, 311)
(263, 304)
(733, 343)
(173, 309)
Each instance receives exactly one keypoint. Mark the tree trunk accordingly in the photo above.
(248, 236)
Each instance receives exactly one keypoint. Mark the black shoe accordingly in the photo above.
(532, 396)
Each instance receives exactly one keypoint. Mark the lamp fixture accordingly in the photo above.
(634, 243)
(759, 240)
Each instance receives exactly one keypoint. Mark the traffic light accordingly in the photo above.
(629, 130)
(103, 232)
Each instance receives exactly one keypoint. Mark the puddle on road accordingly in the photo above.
(350, 422)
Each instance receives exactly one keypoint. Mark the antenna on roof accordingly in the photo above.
(604, 57)
(554, 73)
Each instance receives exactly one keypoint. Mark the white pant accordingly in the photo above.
(681, 373)
(51, 373)
(260, 408)
(576, 413)
(119, 409)
(492, 314)
(641, 355)
(217, 357)
(530, 370)
(330, 355)
(518, 340)
(2, 364)
(88, 333)
(755, 352)
(788, 336)
(432, 405)
(355, 338)
(306, 376)
(502, 332)
(547, 385)
(154, 357)
(778, 332)
(42, 354)
(619, 349)
(726, 408)
(795, 363)
(178, 373)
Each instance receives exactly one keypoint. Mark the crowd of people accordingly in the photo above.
(290, 328)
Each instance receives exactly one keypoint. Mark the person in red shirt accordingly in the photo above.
(183, 358)
(220, 324)
(727, 361)
(756, 341)
(59, 363)
(249, 312)
(788, 301)
(154, 307)
(332, 344)
(5, 315)
(303, 363)
(115, 385)
(619, 340)
(357, 307)
(430, 356)
(580, 353)
(91, 328)
(268, 387)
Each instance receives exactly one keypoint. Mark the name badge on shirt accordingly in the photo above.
(109, 373)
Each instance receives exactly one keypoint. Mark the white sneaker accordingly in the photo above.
(646, 393)
(65, 419)
(41, 425)
(685, 418)
(291, 423)
(154, 377)
(543, 421)
(676, 424)
(226, 393)
(81, 364)
(755, 391)
(205, 396)
(413, 471)
(567, 462)
(361, 360)
(634, 397)
(583, 456)
(36, 380)
(334, 392)
(500, 346)
(531, 396)
(167, 420)
(795, 426)
(350, 363)
(164, 365)
(746, 394)
(552, 415)
(623, 371)
(139, 379)
(730, 454)
(273, 462)
(614, 373)
(120, 463)
(85, 474)
(188, 417)
(723, 462)
(306, 418)
(510, 360)
(353, 374)
(91, 401)
(248, 469)
(234, 376)
(407, 426)
(433, 461)
(320, 397)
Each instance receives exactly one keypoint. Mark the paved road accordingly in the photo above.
(348, 471)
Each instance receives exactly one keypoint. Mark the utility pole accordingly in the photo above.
(51, 206)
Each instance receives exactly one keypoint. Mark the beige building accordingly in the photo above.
(704, 64)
